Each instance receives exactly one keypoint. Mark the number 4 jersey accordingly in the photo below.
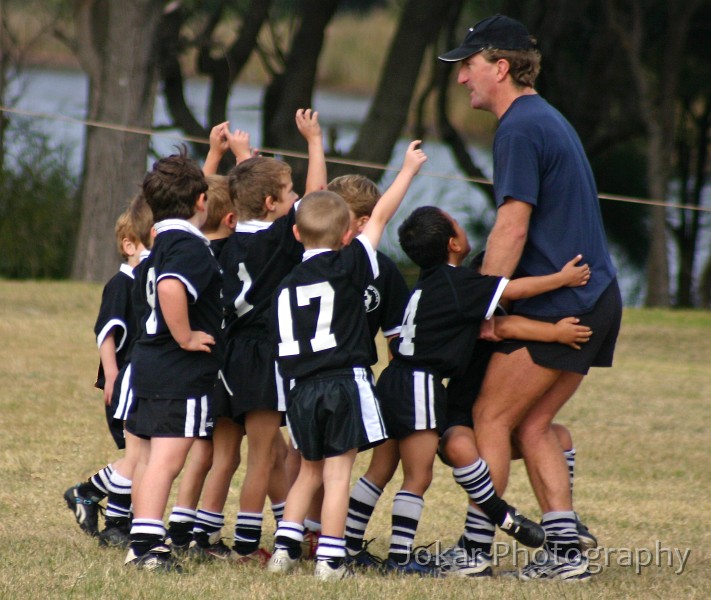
(443, 317)
(319, 311)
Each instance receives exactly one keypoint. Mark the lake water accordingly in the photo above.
(64, 93)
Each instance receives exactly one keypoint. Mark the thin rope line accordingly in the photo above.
(333, 160)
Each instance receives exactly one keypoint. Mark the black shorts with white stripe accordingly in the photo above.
(250, 378)
(411, 400)
(180, 418)
(334, 412)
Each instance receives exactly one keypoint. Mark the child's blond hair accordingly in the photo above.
(360, 193)
(252, 181)
(322, 219)
(124, 231)
(141, 218)
(219, 202)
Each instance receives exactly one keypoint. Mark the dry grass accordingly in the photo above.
(641, 430)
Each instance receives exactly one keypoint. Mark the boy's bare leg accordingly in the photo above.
(262, 428)
(226, 441)
(336, 485)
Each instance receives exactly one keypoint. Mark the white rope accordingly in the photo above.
(331, 159)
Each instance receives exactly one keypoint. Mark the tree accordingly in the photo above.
(114, 42)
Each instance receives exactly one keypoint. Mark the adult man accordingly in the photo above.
(547, 211)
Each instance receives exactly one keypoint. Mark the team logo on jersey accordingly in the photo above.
(371, 297)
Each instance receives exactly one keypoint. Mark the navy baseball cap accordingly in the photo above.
(497, 32)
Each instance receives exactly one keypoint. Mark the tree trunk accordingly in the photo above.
(114, 43)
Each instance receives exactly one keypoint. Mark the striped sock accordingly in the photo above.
(407, 509)
(278, 511)
(97, 486)
(119, 502)
(361, 505)
(331, 549)
(288, 537)
(561, 533)
(476, 482)
(180, 525)
(248, 532)
(478, 531)
(146, 533)
(207, 522)
(570, 460)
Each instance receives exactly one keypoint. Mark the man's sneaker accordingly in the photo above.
(209, 546)
(281, 562)
(546, 565)
(457, 562)
(586, 539)
(309, 545)
(158, 558)
(85, 509)
(410, 567)
(325, 572)
(259, 557)
(522, 529)
(115, 534)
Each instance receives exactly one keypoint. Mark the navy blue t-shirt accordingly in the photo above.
(539, 159)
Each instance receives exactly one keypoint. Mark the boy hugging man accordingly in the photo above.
(179, 351)
(442, 321)
(324, 346)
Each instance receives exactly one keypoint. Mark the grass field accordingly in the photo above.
(642, 484)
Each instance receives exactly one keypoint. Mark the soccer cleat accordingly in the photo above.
(546, 566)
(158, 558)
(410, 567)
(115, 534)
(281, 562)
(309, 545)
(522, 529)
(364, 559)
(586, 539)
(85, 509)
(325, 572)
(259, 557)
(457, 562)
(209, 546)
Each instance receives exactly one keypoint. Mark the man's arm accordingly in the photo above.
(174, 305)
(507, 238)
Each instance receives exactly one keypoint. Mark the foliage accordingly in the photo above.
(38, 206)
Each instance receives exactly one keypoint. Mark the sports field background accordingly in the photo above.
(643, 482)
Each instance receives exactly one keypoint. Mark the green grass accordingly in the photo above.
(641, 430)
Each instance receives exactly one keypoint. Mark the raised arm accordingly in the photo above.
(571, 275)
(309, 127)
(219, 144)
(239, 144)
(507, 238)
(393, 196)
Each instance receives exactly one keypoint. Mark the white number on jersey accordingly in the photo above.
(152, 321)
(407, 333)
(323, 337)
(241, 305)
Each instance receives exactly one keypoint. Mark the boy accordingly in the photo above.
(442, 321)
(325, 346)
(178, 354)
(250, 394)
(385, 300)
(115, 330)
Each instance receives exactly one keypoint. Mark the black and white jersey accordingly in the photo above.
(255, 259)
(443, 317)
(319, 312)
(385, 300)
(160, 368)
(217, 246)
(116, 318)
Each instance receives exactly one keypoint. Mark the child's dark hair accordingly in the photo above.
(424, 236)
(173, 186)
